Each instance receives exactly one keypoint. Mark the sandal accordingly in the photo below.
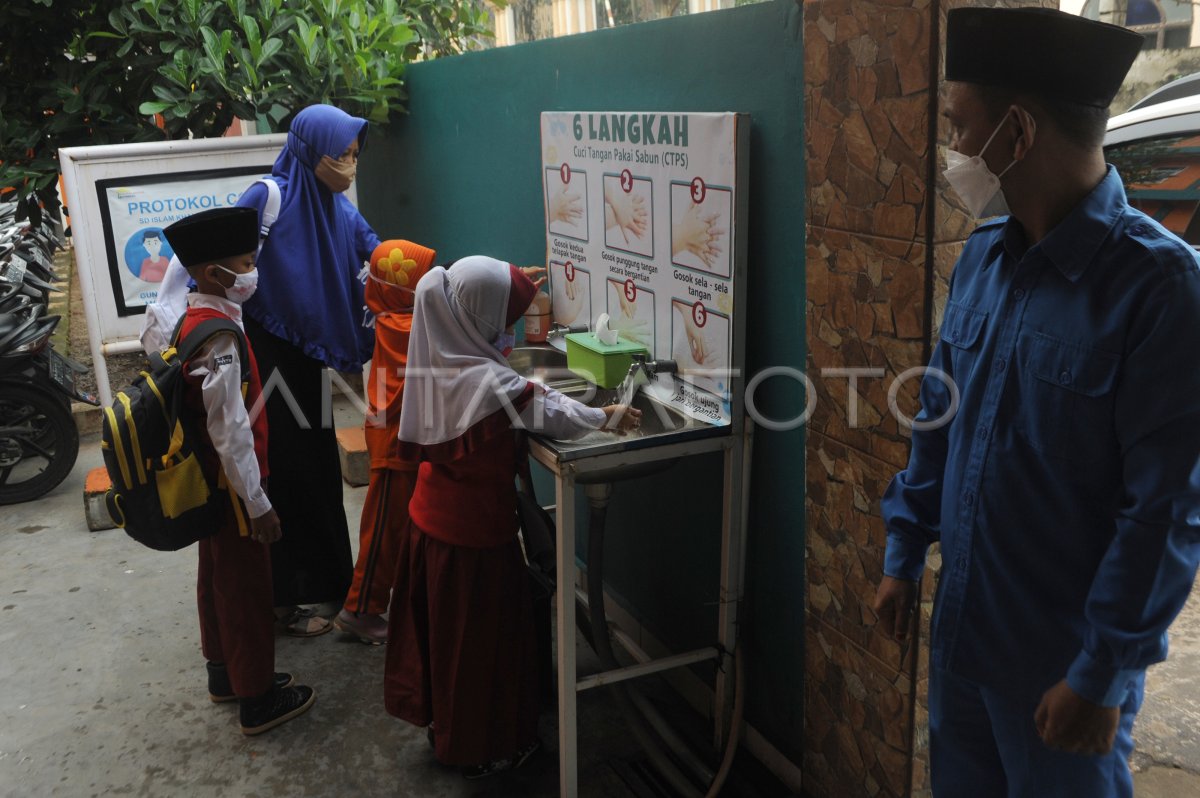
(303, 622)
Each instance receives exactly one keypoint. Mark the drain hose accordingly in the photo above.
(735, 723)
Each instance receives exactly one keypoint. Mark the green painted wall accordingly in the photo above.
(461, 173)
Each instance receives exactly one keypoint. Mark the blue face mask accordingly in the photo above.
(504, 343)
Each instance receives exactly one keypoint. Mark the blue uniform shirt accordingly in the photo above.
(1064, 488)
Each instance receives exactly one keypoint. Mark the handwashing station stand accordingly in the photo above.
(686, 411)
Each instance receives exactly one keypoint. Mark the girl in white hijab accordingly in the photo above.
(462, 656)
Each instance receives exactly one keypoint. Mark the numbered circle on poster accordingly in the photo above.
(699, 314)
(564, 172)
(569, 271)
(699, 190)
(630, 290)
(626, 181)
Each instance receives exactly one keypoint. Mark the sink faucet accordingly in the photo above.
(557, 330)
(641, 372)
(652, 368)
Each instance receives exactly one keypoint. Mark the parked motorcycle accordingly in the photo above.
(38, 438)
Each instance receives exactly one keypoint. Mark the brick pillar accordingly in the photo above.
(883, 235)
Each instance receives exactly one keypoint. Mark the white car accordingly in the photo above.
(1156, 148)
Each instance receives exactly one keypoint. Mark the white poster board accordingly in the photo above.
(119, 198)
(644, 222)
(134, 212)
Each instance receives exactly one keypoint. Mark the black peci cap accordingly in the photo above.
(214, 235)
(1045, 52)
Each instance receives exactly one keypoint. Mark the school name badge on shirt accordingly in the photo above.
(224, 360)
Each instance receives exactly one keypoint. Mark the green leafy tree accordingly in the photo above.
(105, 71)
(57, 88)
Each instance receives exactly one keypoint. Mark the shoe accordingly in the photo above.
(371, 629)
(277, 706)
(501, 765)
(220, 690)
(303, 622)
(522, 756)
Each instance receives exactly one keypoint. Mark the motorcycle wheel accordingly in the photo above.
(36, 459)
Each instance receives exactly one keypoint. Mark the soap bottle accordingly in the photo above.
(537, 319)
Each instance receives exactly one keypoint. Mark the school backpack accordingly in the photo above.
(164, 312)
(159, 493)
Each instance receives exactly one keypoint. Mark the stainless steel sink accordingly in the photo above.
(660, 423)
(545, 365)
(526, 360)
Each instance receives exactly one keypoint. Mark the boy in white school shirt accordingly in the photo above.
(234, 584)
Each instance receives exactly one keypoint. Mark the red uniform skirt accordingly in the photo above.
(461, 649)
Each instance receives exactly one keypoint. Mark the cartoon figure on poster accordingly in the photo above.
(631, 312)
(570, 293)
(700, 345)
(147, 254)
(700, 224)
(566, 202)
(628, 209)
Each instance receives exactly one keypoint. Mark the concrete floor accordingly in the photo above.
(1167, 733)
(103, 692)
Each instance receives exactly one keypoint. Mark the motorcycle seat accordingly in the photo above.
(9, 322)
(20, 323)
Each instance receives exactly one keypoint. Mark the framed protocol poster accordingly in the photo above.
(133, 213)
(120, 197)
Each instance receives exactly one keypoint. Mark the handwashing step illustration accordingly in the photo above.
(644, 232)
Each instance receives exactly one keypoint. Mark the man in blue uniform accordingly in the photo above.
(1055, 459)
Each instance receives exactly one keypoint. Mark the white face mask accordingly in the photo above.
(975, 184)
(244, 285)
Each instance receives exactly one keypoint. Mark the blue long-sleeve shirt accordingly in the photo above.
(1064, 489)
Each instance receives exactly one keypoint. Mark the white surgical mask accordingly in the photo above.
(504, 343)
(975, 184)
(244, 285)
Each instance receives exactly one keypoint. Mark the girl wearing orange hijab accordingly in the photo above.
(396, 266)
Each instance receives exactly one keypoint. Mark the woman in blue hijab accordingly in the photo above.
(307, 314)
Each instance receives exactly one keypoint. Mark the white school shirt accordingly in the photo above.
(558, 416)
(228, 422)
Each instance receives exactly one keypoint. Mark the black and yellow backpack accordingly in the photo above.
(159, 493)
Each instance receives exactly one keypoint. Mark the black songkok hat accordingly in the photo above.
(213, 235)
(1047, 53)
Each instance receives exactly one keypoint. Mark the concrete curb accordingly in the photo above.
(87, 418)
(352, 454)
(94, 488)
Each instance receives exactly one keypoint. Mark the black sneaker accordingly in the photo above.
(501, 765)
(221, 691)
(277, 706)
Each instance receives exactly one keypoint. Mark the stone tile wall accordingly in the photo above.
(877, 279)
(867, 94)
